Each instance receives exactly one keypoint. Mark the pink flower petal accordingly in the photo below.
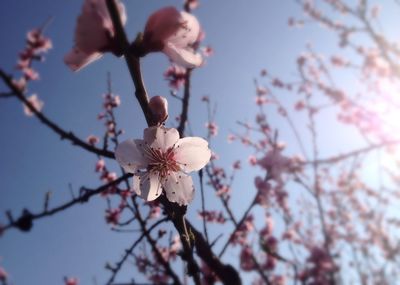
(93, 34)
(179, 188)
(77, 59)
(161, 25)
(185, 57)
(187, 33)
(129, 155)
(192, 153)
(147, 185)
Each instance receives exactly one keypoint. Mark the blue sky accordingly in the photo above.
(246, 36)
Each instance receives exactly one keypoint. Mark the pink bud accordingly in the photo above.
(71, 281)
(159, 108)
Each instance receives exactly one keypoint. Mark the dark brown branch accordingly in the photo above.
(25, 221)
(185, 104)
(132, 61)
(68, 135)
(153, 245)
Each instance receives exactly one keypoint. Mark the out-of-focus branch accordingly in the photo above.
(68, 135)
(129, 251)
(153, 245)
(25, 221)
(354, 153)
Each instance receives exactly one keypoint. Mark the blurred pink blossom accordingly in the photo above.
(94, 34)
(71, 281)
(36, 103)
(92, 140)
(173, 33)
(175, 75)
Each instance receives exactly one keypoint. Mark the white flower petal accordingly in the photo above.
(130, 156)
(147, 185)
(185, 57)
(188, 32)
(192, 153)
(77, 59)
(179, 188)
(161, 137)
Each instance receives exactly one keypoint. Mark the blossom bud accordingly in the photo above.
(159, 109)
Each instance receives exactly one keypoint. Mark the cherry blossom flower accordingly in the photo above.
(212, 128)
(246, 259)
(159, 108)
(276, 164)
(92, 140)
(207, 51)
(161, 161)
(112, 216)
(71, 281)
(94, 34)
(191, 4)
(36, 103)
(212, 216)
(174, 33)
(176, 76)
(100, 165)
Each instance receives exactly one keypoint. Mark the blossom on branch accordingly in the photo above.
(94, 34)
(161, 161)
(159, 108)
(36, 103)
(175, 34)
(71, 281)
(176, 76)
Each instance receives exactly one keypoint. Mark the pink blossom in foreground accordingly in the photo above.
(36, 103)
(94, 34)
(174, 33)
(71, 281)
(161, 161)
(159, 108)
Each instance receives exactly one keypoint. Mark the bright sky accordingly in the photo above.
(246, 36)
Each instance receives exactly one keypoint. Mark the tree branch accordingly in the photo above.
(68, 135)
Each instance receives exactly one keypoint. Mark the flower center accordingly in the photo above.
(162, 162)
